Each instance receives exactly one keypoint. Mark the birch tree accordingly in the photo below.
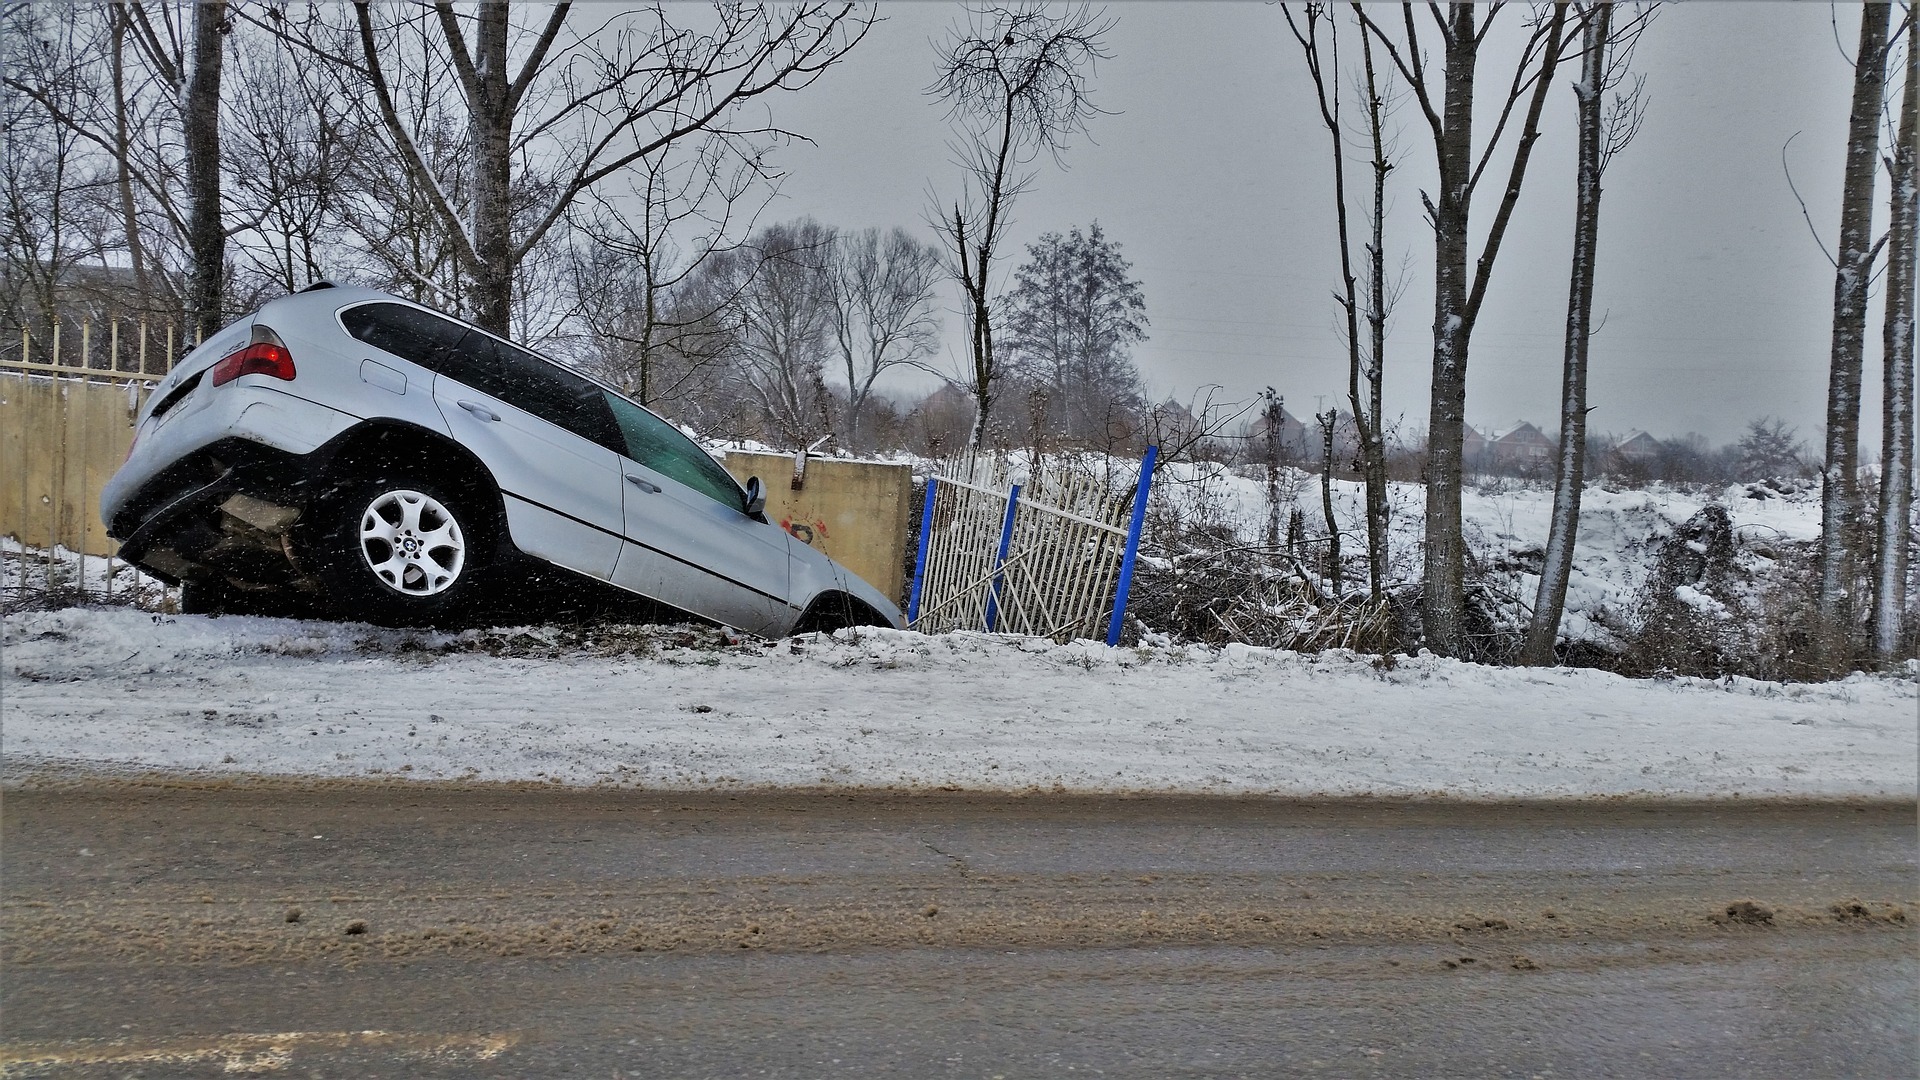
(1840, 503)
(1016, 83)
(1895, 518)
(1605, 129)
(1458, 294)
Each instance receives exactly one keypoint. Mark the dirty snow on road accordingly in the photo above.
(121, 690)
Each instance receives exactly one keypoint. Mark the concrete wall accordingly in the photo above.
(857, 512)
(60, 440)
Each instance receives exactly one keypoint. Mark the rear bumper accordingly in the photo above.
(179, 525)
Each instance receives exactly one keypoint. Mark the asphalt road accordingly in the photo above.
(437, 931)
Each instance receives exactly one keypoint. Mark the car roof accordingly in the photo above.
(338, 298)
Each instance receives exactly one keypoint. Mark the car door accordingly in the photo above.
(689, 539)
(543, 432)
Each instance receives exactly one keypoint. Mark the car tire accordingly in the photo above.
(401, 551)
(836, 611)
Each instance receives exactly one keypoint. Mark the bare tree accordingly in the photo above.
(1449, 111)
(138, 88)
(632, 278)
(1896, 408)
(43, 168)
(1015, 79)
(1840, 508)
(288, 150)
(552, 110)
(1365, 357)
(779, 321)
(1606, 51)
(881, 286)
(1369, 417)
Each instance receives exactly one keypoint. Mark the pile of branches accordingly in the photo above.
(1226, 592)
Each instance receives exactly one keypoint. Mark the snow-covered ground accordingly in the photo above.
(1506, 523)
(116, 690)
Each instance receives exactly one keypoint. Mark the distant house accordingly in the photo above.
(1522, 446)
(1293, 441)
(1473, 446)
(1639, 446)
(1172, 423)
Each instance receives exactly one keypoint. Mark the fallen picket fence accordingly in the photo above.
(1052, 557)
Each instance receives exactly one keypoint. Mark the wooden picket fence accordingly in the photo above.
(68, 401)
(1052, 557)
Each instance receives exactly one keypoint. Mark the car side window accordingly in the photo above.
(525, 381)
(490, 366)
(661, 447)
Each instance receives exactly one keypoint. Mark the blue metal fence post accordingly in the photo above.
(1133, 546)
(920, 560)
(1006, 541)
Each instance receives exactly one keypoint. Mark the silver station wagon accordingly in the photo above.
(347, 451)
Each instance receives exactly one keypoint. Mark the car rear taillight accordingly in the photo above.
(266, 354)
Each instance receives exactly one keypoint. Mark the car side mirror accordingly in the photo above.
(756, 497)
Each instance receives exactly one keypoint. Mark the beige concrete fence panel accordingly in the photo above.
(68, 401)
(856, 512)
(60, 441)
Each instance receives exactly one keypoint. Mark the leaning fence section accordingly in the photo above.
(68, 401)
(964, 517)
(1050, 557)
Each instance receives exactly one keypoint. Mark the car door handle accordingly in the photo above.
(643, 484)
(480, 411)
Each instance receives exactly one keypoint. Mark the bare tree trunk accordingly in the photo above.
(1327, 420)
(206, 237)
(1570, 473)
(1896, 408)
(490, 127)
(1444, 592)
(1275, 412)
(1840, 490)
(1373, 441)
(123, 176)
(1366, 409)
(1457, 294)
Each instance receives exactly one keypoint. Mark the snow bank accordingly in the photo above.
(118, 689)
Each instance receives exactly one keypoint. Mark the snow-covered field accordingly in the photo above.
(120, 690)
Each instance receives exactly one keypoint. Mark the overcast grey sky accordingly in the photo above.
(1213, 173)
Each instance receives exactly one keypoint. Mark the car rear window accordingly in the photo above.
(408, 333)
